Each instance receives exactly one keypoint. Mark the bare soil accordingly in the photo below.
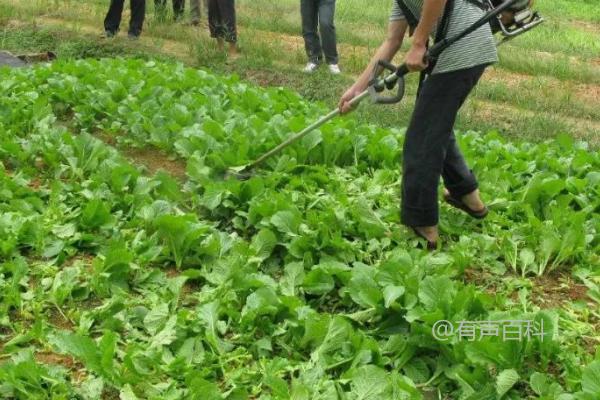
(155, 160)
(557, 288)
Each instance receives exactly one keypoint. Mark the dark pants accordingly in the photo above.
(221, 20)
(113, 17)
(318, 15)
(160, 7)
(430, 148)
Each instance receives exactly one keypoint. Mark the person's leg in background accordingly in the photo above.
(178, 9)
(138, 13)
(112, 21)
(309, 11)
(195, 11)
(228, 20)
(426, 147)
(214, 23)
(328, 35)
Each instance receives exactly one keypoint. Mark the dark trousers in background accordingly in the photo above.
(221, 20)
(160, 6)
(430, 148)
(317, 17)
(113, 17)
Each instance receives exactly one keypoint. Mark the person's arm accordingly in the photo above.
(430, 15)
(389, 48)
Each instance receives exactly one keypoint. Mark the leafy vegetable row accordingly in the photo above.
(297, 284)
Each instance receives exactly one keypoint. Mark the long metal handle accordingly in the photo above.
(357, 99)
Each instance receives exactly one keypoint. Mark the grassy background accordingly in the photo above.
(548, 81)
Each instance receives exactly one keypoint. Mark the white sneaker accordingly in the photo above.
(334, 69)
(310, 67)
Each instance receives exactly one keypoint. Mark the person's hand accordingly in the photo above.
(415, 58)
(344, 104)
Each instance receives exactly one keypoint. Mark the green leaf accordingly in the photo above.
(92, 387)
(311, 140)
(95, 214)
(330, 351)
(181, 234)
(368, 220)
(264, 301)
(363, 289)
(127, 393)
(527, 258)
(539, 383)
(209, 315)
(590, 381)
(299, 391)
(565, 141)
(417, 370)
(436, 292)
(264, 243)
(505, 381)
(318, 282)
(167, 335)
(201, 389)
(369, 383)
(84, 349)
(64, 283)
(212, 197)
(156, 318)
(107, 348)
(391, 294)
(65, 231)
(286, 222)
(293, 277)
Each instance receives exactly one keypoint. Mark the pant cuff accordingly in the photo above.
(458, 190)
(412, 216)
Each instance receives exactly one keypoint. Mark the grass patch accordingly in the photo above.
(557, 61)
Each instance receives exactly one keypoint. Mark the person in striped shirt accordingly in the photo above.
(430, 149)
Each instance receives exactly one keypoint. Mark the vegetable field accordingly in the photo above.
(129, 268)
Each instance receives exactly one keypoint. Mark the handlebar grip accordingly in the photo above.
(402, 70)
(387, 65)
(378, 85)
(388, 100)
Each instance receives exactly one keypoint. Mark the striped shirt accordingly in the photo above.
(474, 49)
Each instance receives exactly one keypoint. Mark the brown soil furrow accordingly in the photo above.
(155, 160)
(585, 26)
(587, 93)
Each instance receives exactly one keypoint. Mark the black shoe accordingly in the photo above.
(458, 203)
(109, 34)
(430, 245)
(133, 36)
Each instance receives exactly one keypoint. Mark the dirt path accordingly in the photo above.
(585, 26)
(505, 116)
